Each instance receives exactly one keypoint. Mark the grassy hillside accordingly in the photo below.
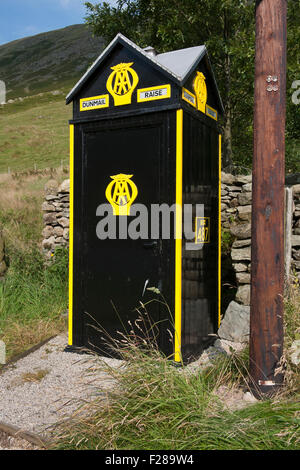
(47, 61)
(39, 71)
(34, 133)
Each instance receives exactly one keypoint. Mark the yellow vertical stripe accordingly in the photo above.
(178, 234)
(220, 233)
(71, 235)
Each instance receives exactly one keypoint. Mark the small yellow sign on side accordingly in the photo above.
(211, 112)
(189, 97)
(202, 230)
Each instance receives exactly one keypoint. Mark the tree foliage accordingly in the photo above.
(227, 28)
(293, 75)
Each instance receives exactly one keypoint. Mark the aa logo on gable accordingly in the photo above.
(121, 192)
(200, 91)
(122, 82)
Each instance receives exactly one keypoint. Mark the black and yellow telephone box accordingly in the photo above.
(145, 199)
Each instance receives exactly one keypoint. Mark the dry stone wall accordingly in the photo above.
(236, 198)
(56, 216)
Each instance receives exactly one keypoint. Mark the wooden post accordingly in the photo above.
(267, 259)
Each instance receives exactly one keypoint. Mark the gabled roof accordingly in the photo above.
(176, 65)
(181, 62)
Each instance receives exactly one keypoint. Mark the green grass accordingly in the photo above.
(33, 298)
(33, 295)
(34, 134)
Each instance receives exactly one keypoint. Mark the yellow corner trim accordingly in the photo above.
(220, 233)
(178, 232)
(155, 93)
(71, 231)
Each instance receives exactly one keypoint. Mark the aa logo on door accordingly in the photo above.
(122, 82)
(121, 192)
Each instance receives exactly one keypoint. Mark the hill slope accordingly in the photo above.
(34, 134)
(47, 61)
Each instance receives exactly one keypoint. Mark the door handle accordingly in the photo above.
(150, 244)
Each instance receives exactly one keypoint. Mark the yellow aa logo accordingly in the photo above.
(121, 83)
(201, 91)
(121, 192)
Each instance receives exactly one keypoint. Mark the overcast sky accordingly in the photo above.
(21, 18)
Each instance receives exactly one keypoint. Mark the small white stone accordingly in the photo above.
(2, 352)
(248, 397)
(295, 352)
(64, 187)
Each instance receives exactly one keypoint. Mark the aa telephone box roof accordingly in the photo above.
(176, 65)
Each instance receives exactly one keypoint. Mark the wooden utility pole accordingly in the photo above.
(267, 258)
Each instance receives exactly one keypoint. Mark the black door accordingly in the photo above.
(122, 161)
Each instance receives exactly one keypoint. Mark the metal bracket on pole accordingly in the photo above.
(269, 383)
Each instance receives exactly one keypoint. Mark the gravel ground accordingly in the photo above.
(47, 386)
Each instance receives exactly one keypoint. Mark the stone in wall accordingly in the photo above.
(241, 231)
(243, 294)
(236, 324)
